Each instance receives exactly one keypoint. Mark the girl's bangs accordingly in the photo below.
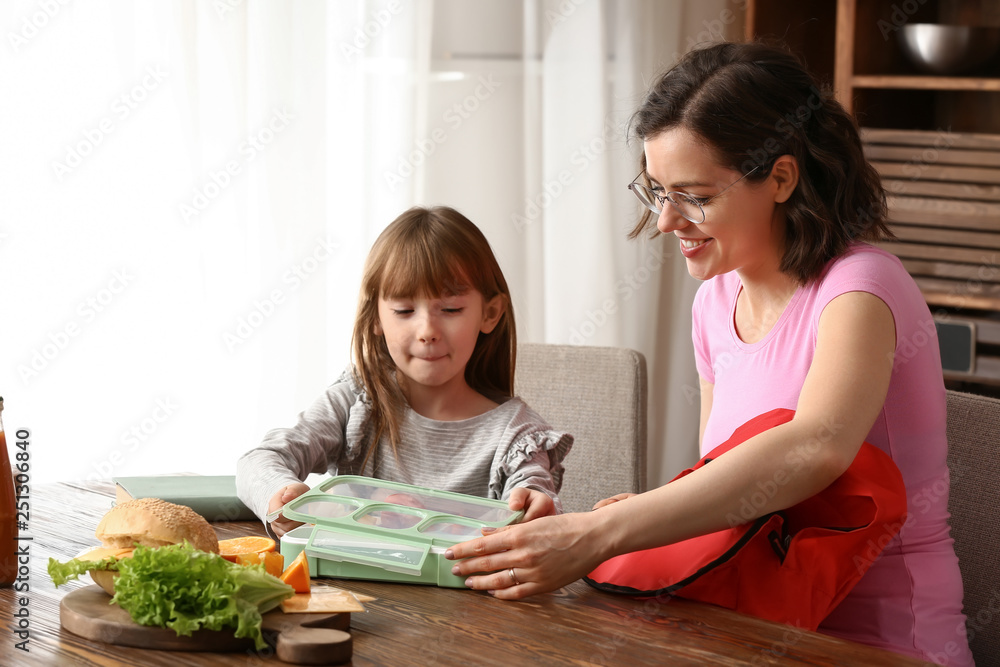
(409, 272)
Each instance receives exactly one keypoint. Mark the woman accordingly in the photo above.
(762, 179)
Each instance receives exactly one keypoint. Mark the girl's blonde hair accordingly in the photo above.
(428, 252)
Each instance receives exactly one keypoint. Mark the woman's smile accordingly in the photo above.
(691, 247)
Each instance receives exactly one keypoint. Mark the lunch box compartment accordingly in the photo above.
(363, 528)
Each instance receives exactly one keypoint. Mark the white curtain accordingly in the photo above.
(190, 189)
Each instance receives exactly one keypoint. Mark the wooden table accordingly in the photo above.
(424, 625)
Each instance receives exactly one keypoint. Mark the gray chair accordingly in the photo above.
(599, 395)
(974, 503)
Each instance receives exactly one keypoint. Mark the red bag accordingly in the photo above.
(794, 566)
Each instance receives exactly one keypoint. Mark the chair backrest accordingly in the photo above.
(974, 503)
(598, 394)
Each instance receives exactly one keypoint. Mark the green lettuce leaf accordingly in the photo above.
(63, 572)
(182, 588)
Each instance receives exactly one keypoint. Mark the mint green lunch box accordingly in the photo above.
(364, 528)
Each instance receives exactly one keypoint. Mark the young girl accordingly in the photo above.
(429, 400)
(760, 181)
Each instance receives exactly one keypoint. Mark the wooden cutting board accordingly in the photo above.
(303, 639)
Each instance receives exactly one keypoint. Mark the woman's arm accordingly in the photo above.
(706, 407)
(842, 396)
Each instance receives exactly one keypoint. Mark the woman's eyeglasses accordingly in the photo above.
(689, 206)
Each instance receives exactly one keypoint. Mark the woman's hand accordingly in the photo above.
(285, 495)
(534, 503)
(529, 558)
(613, 499)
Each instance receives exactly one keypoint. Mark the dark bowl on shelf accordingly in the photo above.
(948, 49)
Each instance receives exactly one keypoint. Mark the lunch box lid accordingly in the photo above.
(392, 554)
(390, 525)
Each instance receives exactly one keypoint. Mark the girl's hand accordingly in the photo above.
(613, 499)
(534, 503)
(285, 495)
(529, 558)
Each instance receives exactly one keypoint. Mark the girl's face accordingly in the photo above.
(742, 230)
(432, 339)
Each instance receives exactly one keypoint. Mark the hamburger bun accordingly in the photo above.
(152, 522)
(104, 578)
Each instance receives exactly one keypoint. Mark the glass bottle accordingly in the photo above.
(8, 513)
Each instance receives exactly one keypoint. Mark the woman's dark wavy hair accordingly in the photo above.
(754, 102)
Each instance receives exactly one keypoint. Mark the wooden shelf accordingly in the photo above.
(973, 140)
(874, 80)
(935, 141)
(987, 372)
(915, 82)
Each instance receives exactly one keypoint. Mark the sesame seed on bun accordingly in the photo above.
(152, 522)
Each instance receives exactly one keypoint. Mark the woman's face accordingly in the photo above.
(742, 229)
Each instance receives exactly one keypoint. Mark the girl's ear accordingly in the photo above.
(377, 327)
(785, 173)
(492, 312)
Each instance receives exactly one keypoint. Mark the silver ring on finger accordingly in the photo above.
(513, 577)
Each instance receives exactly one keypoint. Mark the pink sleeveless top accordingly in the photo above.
(910, 601)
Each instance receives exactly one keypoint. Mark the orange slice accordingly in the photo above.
(252, 544)
(297, 574)
(273, 561)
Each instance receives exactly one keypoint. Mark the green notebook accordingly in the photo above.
(212, 496)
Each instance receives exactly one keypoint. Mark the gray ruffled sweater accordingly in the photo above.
(487, 455)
